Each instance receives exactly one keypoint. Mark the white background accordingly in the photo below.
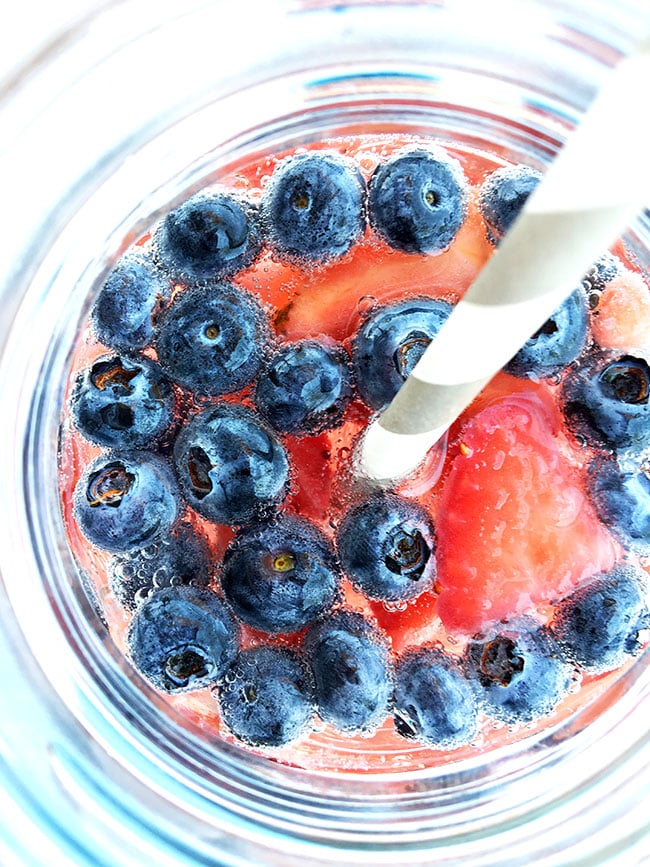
(28, 25)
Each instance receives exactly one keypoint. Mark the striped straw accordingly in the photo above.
(589, 195)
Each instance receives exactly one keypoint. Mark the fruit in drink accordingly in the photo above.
(291, 301)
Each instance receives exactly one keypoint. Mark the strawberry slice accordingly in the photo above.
(622, 318)
(515, 526)
(332, 298)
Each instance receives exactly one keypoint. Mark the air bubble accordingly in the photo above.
(367, 162)
(318, 726)
(367, 304)
(393, 607)
(593, 299)
(344, 452)
(159, 577)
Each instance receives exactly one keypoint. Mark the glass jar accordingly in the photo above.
(124, 114)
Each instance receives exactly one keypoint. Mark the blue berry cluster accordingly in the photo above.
(305, 387)
(558, 343)
(386, 545)
(389, 344)
(194, 403)
(598, 625)
(181, 335)
(502, 196)
(191, 403)
(606, 404)
(281, 575)
(418, 200)
(519, 670)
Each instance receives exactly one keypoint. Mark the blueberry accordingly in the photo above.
(391, 342)
(314, 207)
(122, 401)
(126, 501)
(557, 343)
(266, 696)
(622, 500)
(352, 672)
(212, 339)
(598, 624)
(182, 557)
(386, 547)
(209, 236)
(434, 700)
(503, 195)
(606, 400)
(231, 466)
(279, 576)
(182, 638)
(305, 387)
(126, 307)
(519, 670)
(417, 200)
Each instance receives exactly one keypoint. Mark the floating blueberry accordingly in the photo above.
(417, 200)
(607, 399)
(352, 672)
(434, 700)
(122, 401)
(391, 342)
(126, 501)
(280, 576)
(557, 343)
(305, 387)
(314, 207)
(212, 339)
(503, 195)
(387, 549)
(125, 310)
(622, 500)
(266, 696)
(598, 624)
(209, 236)
(182, 638)
(231, 466)
(181, 557)
(520, 671)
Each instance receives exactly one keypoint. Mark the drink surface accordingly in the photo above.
(476, 598)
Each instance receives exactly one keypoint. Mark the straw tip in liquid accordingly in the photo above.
(385, 457)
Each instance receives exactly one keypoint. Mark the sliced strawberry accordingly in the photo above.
(515, 526)
(313, 459)
(332, 300)
(622, 318)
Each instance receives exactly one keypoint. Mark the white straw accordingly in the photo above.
(590, 193)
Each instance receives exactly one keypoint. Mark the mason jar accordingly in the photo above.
(128, 110)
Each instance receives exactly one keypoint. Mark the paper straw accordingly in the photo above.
(588, 196)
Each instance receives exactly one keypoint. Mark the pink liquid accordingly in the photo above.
(510, 503)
